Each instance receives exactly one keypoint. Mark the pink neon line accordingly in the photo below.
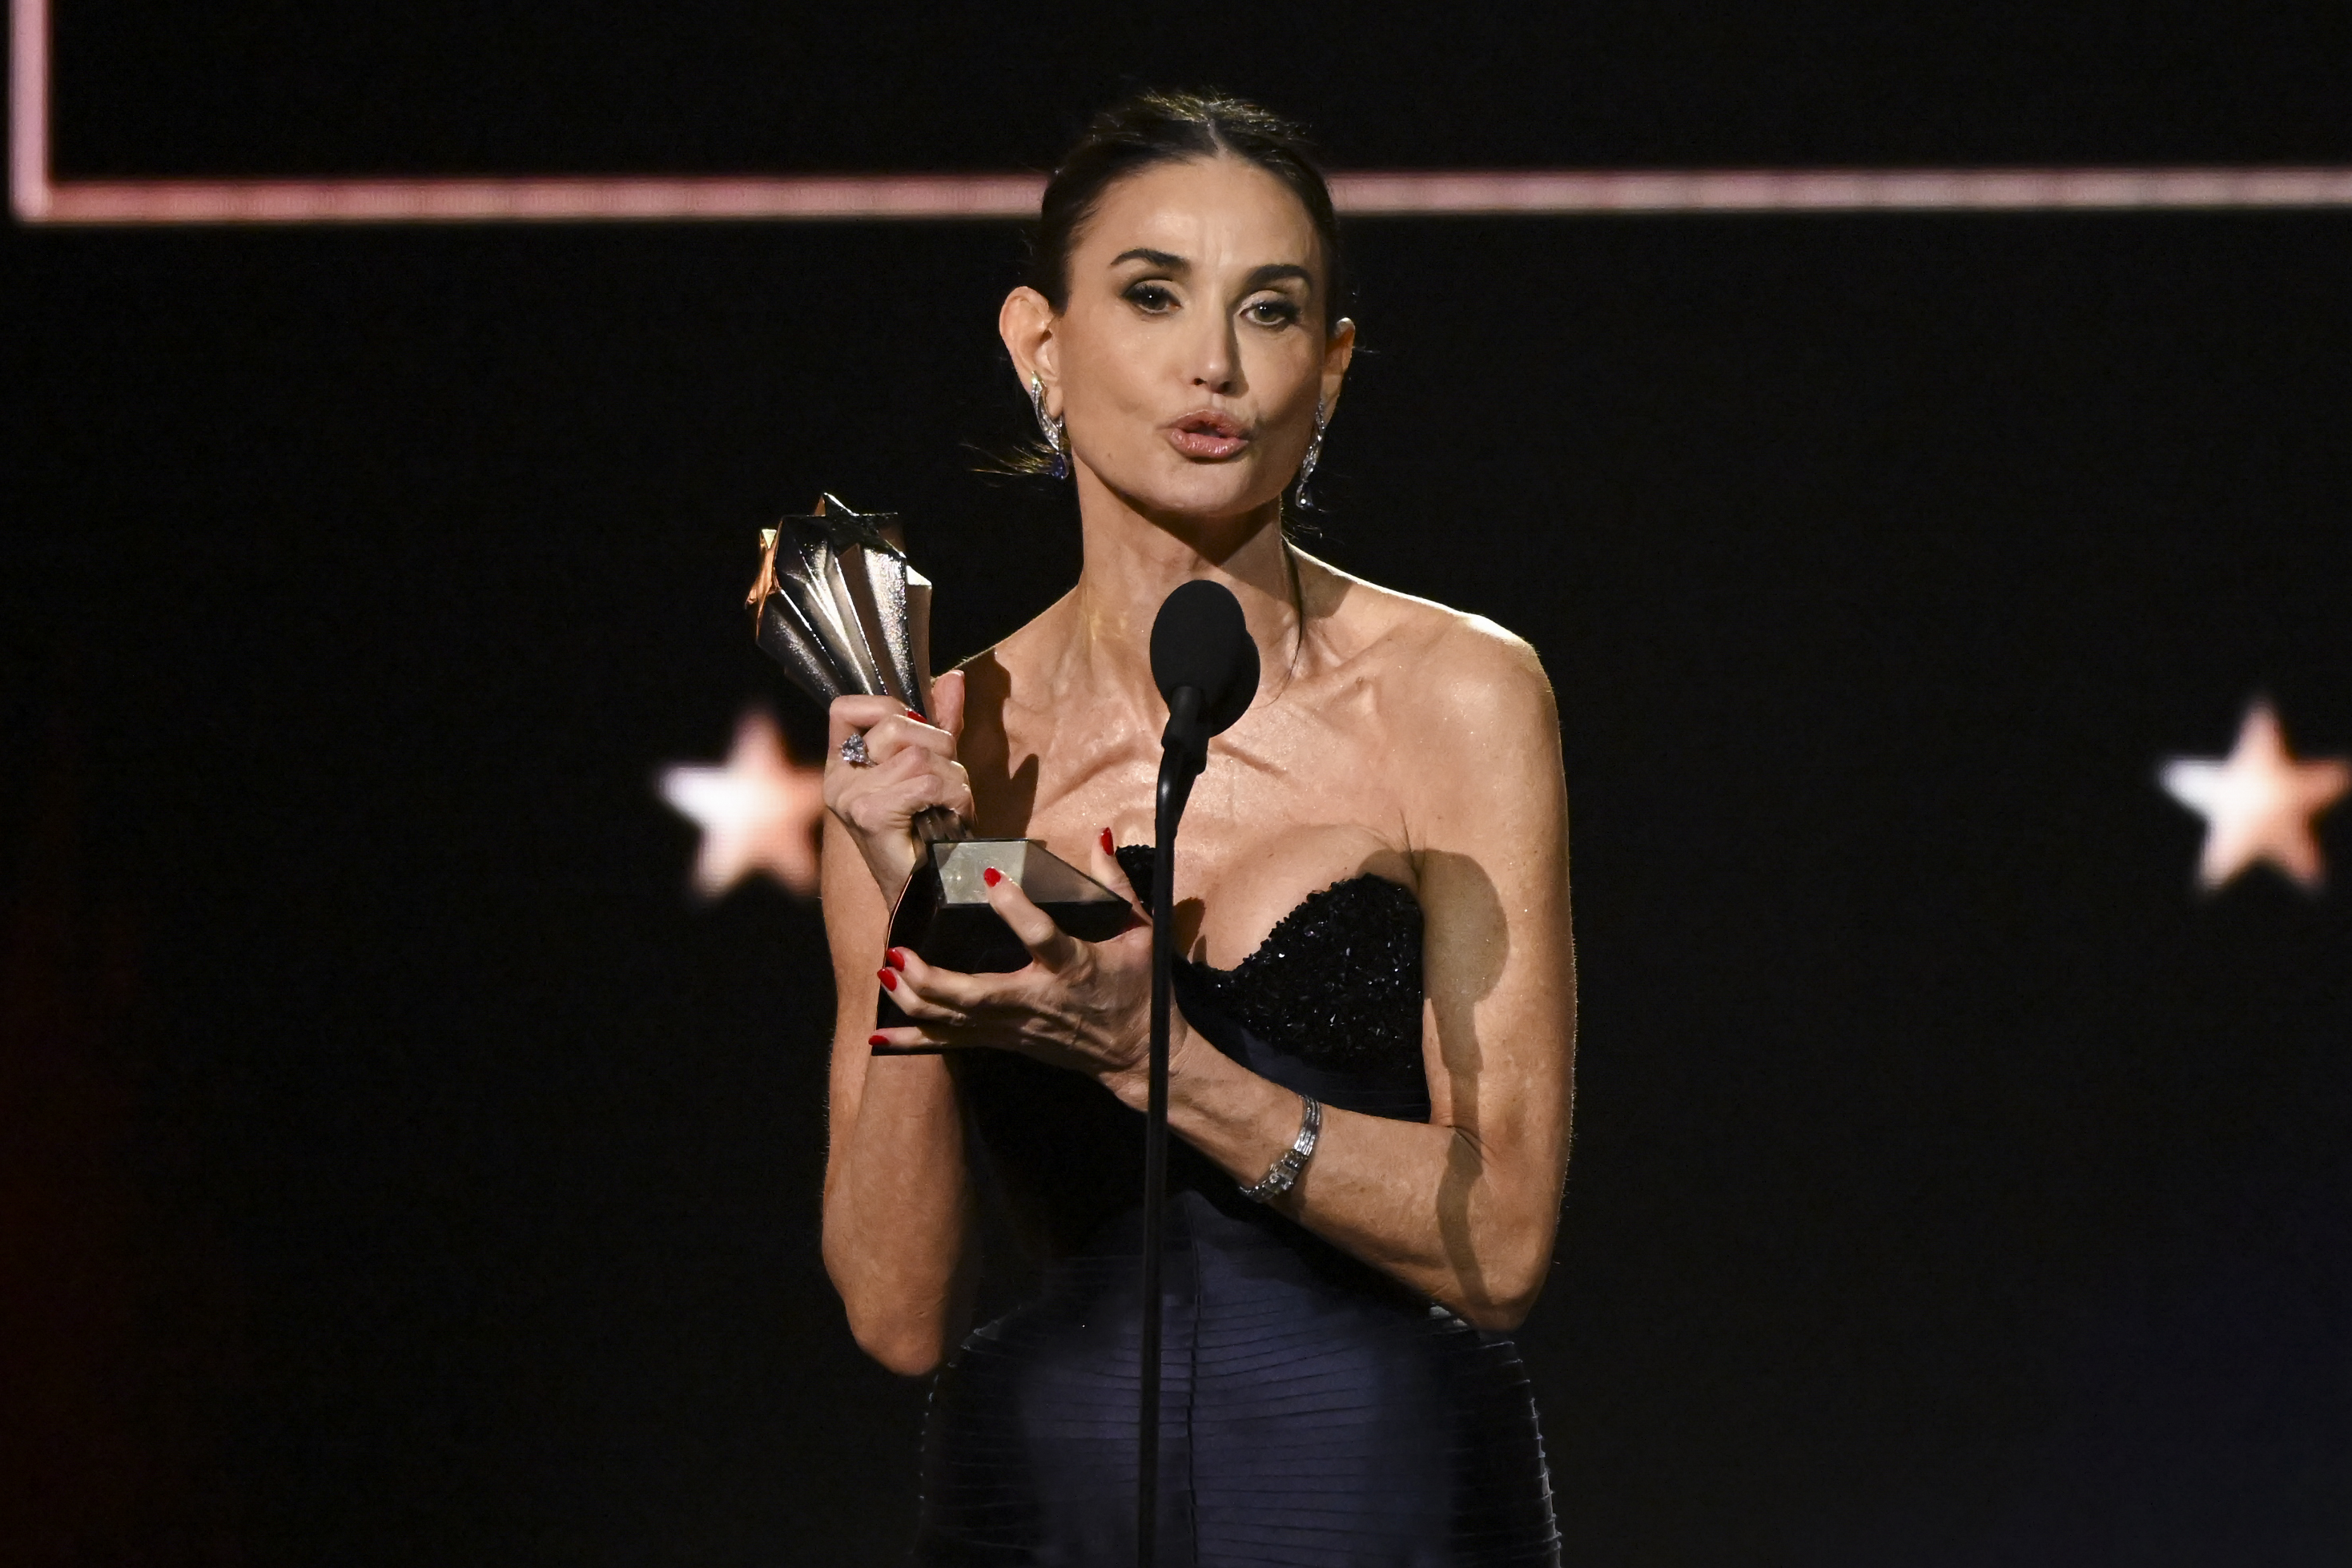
(1840, 190)
(540, 200)
(39, 199)
(1400, 195)
(28, 110)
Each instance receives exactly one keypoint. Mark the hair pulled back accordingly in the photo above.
(1153, 128)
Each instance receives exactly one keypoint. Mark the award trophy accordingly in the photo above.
(837, 604)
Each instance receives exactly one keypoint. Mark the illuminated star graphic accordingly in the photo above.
(2260, 803)
(757, 814)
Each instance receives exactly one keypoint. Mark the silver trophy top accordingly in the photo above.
(838, 606)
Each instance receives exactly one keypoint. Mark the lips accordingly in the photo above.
(1208, 433)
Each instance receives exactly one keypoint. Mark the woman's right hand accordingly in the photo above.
(910, 767)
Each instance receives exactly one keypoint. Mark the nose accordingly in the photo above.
(1216, 357)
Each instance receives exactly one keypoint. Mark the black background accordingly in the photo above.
(399, 1167)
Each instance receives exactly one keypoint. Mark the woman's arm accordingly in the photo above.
(897, 1202)
(1463, 1208)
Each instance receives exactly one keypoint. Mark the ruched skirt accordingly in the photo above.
(1313, 1415)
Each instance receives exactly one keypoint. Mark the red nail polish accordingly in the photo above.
(918, 717)
(878, 1039)
(890, 978)
(895, 958)
(1107, 843)
(992, 875)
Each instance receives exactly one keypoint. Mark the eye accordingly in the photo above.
(1276, 311)
(1152, 299)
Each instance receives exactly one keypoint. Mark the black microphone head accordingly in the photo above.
(1201, 640)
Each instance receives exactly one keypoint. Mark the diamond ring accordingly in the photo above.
(852, 752)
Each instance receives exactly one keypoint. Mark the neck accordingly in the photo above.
(1134, 559)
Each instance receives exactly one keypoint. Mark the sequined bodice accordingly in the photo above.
(1337, 982)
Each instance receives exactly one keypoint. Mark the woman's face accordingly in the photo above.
(1191, 353)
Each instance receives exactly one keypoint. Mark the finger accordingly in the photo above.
(939, 1038)
(910, 779)
(927, 990)
(854, 715)
(947, 702)
(925, 1004)
(915, 769)
(902, 731)
(1048, 943)
(889, 728)
(1105, 868)
(889, 817)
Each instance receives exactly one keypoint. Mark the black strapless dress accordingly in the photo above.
(1314, 1412)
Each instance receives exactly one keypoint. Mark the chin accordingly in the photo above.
(1203, 490)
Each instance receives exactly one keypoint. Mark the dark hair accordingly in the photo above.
(1153, 128)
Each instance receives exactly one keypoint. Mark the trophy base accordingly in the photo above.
(944, 916)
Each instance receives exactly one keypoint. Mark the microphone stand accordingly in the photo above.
(1184, 747)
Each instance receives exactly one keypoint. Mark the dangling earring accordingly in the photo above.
(1314, 455)
(1052, 428)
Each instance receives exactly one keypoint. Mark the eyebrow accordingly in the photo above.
(1271, 273)
(1275, 271)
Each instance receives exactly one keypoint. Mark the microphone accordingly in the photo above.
(1206, 667)
(1206, 664)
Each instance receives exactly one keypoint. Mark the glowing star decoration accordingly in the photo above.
(2259, 805)
(760, 813)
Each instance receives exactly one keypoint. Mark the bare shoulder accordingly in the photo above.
(1458, 709)
(1452, 672)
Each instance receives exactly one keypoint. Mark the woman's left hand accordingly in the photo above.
(1084, 1005)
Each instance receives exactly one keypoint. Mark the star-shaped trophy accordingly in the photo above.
(837, 604)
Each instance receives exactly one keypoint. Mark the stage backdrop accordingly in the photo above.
(402, 1166)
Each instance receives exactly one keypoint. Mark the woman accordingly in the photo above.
(1372, 901)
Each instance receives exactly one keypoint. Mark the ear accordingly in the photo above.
(1026, 325)
(1339, 352)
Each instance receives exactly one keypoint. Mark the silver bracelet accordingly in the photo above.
(1283, 1174)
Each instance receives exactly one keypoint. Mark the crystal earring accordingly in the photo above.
(1052, 426)
(1314, 455)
